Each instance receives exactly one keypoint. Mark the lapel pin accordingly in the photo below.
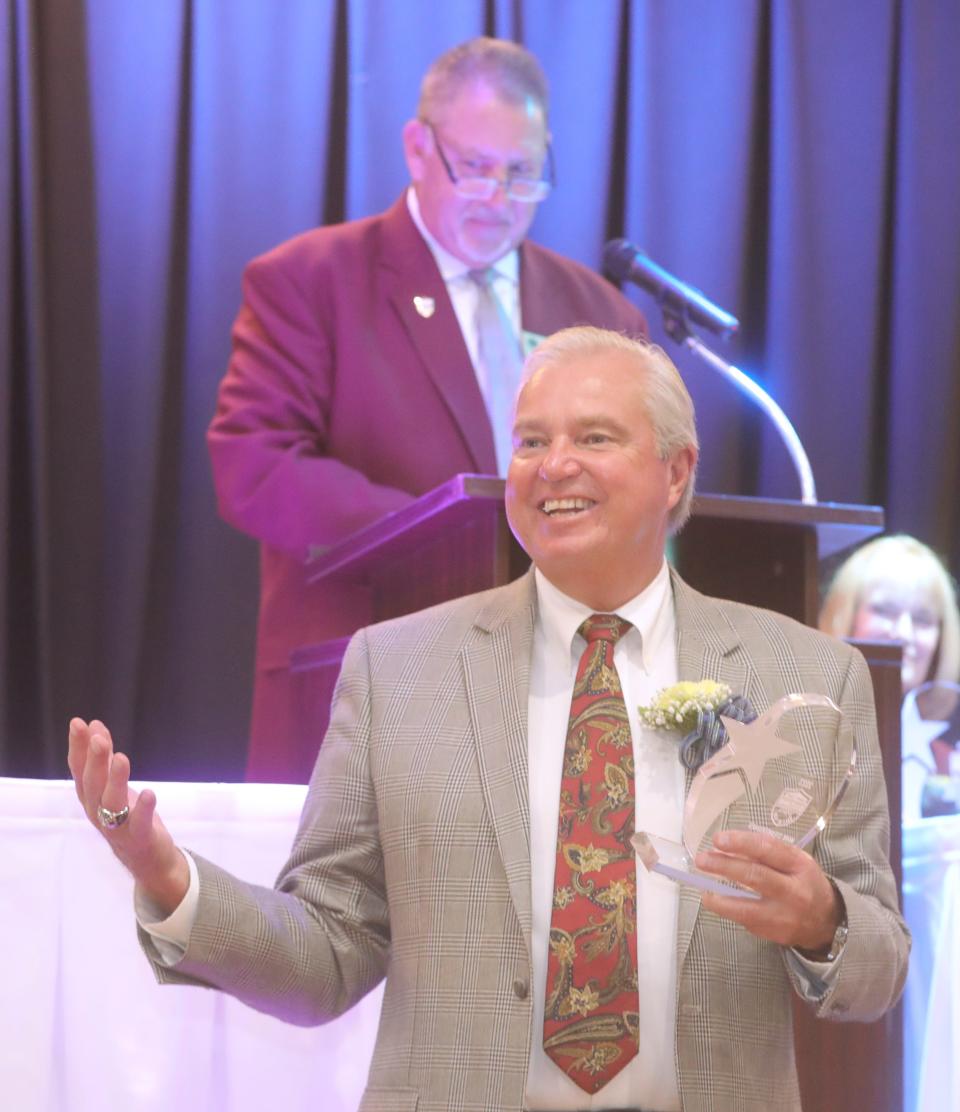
(425, 306)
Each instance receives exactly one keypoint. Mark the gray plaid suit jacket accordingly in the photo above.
(412, 863)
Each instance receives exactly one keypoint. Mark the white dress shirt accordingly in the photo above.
(646, 661)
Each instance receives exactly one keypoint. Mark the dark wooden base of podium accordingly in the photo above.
(845, 1067)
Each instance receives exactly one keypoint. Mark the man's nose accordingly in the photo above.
(560, 462)
(500, 197)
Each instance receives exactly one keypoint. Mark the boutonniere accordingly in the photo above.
(693, 710)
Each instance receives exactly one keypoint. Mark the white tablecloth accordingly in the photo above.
(85, 1025)
(931, 900)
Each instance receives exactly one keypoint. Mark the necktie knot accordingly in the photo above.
(483, 278)
(603, 627)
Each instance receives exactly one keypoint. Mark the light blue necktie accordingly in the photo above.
(498, 350)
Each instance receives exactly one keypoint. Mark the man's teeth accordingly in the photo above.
(564, 505)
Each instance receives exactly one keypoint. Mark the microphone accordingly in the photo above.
(626, 263)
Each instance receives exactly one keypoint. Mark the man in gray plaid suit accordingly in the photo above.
(426, 847)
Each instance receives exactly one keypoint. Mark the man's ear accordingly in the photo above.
(681, 468)
(416, 146)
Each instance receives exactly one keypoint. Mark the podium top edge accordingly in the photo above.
(838, 525)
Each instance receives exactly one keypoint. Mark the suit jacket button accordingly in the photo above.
(521, 988)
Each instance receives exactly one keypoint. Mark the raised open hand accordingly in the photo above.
(127, 819)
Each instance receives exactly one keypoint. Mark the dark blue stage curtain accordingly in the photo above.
(798, 160)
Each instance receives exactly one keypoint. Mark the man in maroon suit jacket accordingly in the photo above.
(353, 384)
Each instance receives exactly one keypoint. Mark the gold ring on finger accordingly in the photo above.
(110, 820)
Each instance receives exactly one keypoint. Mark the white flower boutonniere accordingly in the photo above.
(679, 707)
(693, 710)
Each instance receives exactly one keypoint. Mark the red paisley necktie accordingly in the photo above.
(591, 1019)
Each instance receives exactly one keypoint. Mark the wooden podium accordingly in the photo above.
(455, 540)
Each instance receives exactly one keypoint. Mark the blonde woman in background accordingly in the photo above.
(895, 588)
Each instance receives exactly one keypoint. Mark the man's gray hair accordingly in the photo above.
(509, 69)
(666, 399)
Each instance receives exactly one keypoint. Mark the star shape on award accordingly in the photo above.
(735, 771)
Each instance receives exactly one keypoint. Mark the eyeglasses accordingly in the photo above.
(480, 187)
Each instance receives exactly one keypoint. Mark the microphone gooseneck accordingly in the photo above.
(684, 306)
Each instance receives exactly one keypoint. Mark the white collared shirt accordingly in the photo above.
(463, 291)
(646, 661)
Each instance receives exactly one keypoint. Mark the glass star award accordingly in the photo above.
(784, 782)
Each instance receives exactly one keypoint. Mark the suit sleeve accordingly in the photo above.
(268, 439)
(308, 949)
(854, 850)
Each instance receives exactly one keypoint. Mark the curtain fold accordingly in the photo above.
(921, 461)
(53, 493)
(798, 162)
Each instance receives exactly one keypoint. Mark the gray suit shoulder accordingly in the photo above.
(746, 622)
(484, 609)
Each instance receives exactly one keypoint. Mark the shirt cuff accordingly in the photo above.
(171, 934)
(816, 977)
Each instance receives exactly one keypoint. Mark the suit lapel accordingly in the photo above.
(419, 297)
(707, 648)
(496, 665)
(541, 311)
